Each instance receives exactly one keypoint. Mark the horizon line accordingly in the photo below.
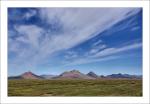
(73, 70)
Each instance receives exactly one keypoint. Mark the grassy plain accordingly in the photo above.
(112, 87)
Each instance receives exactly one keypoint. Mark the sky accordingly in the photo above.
(53, 40)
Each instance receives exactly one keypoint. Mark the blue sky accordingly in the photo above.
(54, 40)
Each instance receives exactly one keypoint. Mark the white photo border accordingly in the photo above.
(6, 4)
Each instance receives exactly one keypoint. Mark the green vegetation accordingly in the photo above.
(113, 87)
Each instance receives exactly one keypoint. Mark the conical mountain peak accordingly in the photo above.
(92, 74)
(74, 74)
(29, 75)
(28, 72)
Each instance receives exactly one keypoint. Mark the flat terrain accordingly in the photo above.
(112, 87)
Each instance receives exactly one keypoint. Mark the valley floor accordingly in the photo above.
(111, 87)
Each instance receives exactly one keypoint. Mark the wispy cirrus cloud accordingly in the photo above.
(97, 48)
(104, 55)
(135, 28)
(110, 51)
(61, 29)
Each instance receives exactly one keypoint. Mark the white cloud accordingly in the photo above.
(29, 34)
(97, 43)
(30, 14)
(26, 44)
(110, 51)
(97, 48)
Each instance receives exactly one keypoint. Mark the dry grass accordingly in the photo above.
(110, 87)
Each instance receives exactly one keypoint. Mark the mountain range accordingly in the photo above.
(74, 74)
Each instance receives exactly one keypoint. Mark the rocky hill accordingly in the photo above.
(73, 74)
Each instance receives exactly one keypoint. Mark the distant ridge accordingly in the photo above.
(119, 75)
(74, 74)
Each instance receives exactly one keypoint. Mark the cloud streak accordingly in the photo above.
(110, 51)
